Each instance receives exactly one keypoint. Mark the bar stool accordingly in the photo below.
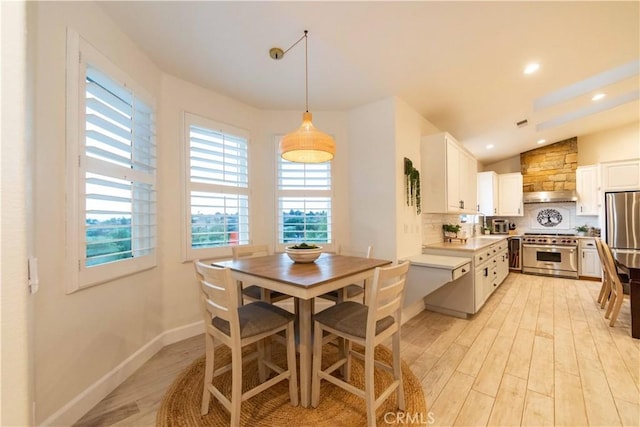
(368, 325)
(237, 327)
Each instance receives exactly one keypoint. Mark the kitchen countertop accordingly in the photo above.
(473, 244)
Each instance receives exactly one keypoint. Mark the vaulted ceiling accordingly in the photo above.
(459, 64)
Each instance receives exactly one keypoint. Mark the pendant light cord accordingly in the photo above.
(306, 67)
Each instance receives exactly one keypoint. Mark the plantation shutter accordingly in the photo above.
(304, 202)
(218, 185)
(119, 166)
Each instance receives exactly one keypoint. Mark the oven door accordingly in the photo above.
(550, 260)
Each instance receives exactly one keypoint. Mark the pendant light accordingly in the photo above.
(307, 144)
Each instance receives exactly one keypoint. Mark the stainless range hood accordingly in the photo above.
(549, 196)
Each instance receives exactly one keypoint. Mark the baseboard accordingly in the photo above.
(412, 310)
(92, 395)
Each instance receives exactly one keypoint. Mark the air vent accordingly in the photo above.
(522, 123)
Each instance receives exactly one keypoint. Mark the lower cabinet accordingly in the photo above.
(588, 259)
(490, 272)
(467, 294)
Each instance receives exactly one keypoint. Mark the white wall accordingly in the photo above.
(510, 165)
(409, 128)
(372, 178)
(79, 337)
(619, 143)
(16, 369)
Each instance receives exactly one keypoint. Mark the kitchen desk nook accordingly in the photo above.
(465, 294)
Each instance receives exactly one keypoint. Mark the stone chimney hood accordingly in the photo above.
(549, 173)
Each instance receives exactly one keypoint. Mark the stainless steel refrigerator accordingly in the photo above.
(622, 216)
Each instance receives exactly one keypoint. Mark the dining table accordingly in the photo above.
(630, 261)
(304, 282)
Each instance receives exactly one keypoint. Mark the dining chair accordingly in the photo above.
(352, 292)
(236, 327)
(254, 292)
(368, 325)
(616, 291)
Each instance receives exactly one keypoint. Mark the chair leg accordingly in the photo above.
(612, 302)
(262, 368)
(208, 374)
(236, 384)
(291, 365)
(369, 392)
(606, 293)
(616, 310)
(347, 363)
(397, 369)
(316, 366)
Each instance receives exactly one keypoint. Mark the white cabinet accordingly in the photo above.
(488, 193)
(588, 189)
(467, 294)
(448, 176)
(468, 177)
(589, 261)
(620, 176)
(510, 194)
(491, 268)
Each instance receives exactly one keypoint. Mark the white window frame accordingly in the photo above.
(278, 244)
(79, 276)
(189, 253)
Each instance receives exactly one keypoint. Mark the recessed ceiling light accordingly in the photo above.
(489, 147)
(542, 141)
(598, 96)
(531, 68)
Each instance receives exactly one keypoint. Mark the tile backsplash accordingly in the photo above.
(549, 218)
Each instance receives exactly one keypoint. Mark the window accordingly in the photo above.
(217, 187)
(304, 202)
(111, 224)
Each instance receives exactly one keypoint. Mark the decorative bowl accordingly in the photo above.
(304, 255)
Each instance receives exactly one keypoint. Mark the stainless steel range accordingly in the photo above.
(550, 255)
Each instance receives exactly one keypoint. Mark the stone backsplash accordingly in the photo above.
(550, 168)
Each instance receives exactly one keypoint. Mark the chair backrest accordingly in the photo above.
(602, 257)
(364, 252)
(219, 294)
(249, 251)
(385, 294)
(611, 270)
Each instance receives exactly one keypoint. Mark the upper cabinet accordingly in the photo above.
(448, 176)
(620, 176)
(588, 188)
(488, 193)
(500, 195)
(510, 194)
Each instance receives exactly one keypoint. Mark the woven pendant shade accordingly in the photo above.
(307, 144)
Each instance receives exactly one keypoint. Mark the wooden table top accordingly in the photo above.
(281, 268)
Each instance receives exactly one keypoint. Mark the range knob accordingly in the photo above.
(553, 241)
(541, 240)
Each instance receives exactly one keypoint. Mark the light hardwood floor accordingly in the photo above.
(538, 353)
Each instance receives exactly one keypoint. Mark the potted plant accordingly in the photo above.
(582, 230)
(451, 230)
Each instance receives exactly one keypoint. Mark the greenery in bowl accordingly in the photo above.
(304, 246)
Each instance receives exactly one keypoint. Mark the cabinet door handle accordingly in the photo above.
(463, 270)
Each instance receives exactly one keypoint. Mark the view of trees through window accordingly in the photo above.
(308, 227)
(108, 240)
(214, 230)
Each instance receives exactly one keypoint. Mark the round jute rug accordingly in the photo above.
(181, 404)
